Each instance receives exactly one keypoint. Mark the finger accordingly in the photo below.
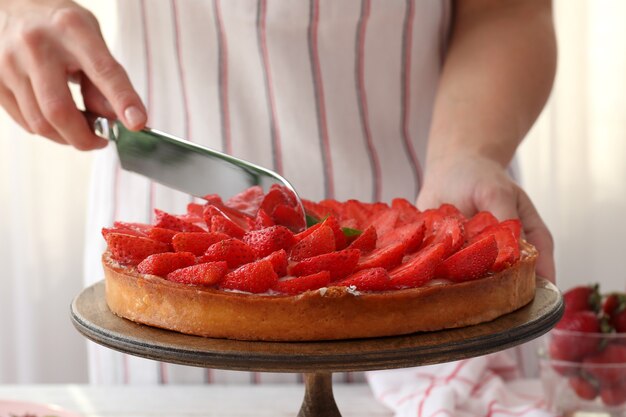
(104, 71)
(94, 100)
(7, 101)
(58, 107)
(499, 199)
(29, 107)
(538, 235)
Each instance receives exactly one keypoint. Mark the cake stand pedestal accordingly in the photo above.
(317, 360)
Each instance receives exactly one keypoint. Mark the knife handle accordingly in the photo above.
(101, 126)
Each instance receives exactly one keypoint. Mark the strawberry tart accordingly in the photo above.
(248, 269)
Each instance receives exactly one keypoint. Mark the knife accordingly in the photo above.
(184, 165)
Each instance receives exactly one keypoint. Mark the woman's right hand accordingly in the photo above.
(44, 44)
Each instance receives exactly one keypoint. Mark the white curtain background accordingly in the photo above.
(572, 167)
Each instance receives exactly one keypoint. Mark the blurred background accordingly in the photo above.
(572, 165)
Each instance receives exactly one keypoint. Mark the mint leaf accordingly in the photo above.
(351, 232)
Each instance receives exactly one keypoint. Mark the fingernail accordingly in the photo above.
(134, 117)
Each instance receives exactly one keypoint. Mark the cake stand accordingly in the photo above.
(316, 360)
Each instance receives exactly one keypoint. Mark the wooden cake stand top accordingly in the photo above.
(93, 319)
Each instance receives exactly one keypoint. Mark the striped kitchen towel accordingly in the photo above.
(483, 386)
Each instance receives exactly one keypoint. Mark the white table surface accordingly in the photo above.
(192, 400)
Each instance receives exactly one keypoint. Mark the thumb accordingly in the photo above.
(537, 233)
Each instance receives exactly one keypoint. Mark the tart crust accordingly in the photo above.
(328, 314)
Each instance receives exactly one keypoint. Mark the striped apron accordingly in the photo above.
(336, 95)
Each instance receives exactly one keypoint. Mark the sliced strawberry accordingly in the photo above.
(449, 210)
(515, 225)
(420, 269)
(340, 264)
(289, 217)
(366, 241)
(340, 237)
(471, 262)
(386, 257)
(205, 274)
(274, 198)
(161, 264)
(193, 219)
(372, 279)
(508, 246)
(196, 242)
(408, 213)
(220, 224)
(321, 241)
(289, 195)
(432, 218)
(262, 220)
(316, 211)
(140, 228)
(167, 221)
(213, 199)
(384, 222)
(163, 235)
(412, 234)
(239, 219)
(195, 209)
(122, 231)
(233, 251)
(279, 261)
(255, 277)
(357, 211)
(307, 232)
(297, 285)
(478, 223)
(270, 239)
(333, 223)
(130, 250)
(447, 229)
(334, 208)
(247, 201)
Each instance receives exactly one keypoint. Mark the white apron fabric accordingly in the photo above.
(335, 95)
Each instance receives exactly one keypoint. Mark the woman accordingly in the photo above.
(355, 99)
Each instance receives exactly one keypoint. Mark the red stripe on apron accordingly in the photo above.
(275, 131)
(318, 87)
(362, 97)
(223, 77)
(407, 43)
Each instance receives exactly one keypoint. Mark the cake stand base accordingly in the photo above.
(318, 396)
(317, 360)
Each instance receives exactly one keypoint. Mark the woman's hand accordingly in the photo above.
(474, 183)
(44, 44)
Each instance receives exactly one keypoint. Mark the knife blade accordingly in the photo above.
(184, 165)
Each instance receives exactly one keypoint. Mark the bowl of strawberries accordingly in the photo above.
(583, 362)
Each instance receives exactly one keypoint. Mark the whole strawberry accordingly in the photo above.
(608, 366)
(585, 388)
(614, 308)
(614, 395)
(575, 341)
(582, 298)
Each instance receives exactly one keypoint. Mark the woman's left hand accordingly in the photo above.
(474, 183)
